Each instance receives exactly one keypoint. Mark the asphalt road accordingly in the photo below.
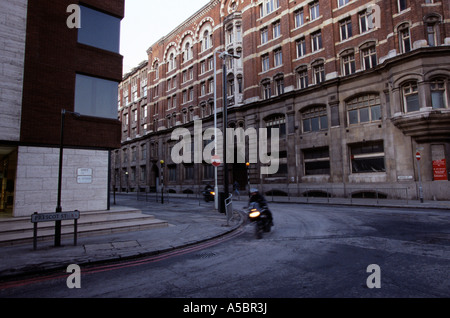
(313, 251)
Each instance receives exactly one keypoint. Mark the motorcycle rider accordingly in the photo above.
(255, 196)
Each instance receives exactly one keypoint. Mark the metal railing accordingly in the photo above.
(339, 195)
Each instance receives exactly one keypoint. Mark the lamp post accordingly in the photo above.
(61, 147)
(223, 56)
(247, 164)
(162, 181)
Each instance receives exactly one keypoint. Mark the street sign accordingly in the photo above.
(60, 216)
(215, 160)
(55, 216)
(418, 156)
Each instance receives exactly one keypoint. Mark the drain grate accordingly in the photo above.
(206, 255)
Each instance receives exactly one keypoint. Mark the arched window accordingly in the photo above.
(156, 69)
(172, 62)
(188, 54)
(363, 109)
(314, 118)
(432, 29)
(276, 121)
(206, 40)
(410, 94)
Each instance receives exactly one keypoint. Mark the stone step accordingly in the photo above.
(20, 230)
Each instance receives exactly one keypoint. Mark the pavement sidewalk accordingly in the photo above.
(190, 222)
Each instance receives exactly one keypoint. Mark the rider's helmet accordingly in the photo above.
(253, 191)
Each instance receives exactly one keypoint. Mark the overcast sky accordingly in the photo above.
(146, 21)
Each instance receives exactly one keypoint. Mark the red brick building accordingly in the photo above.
(356, 88)
(60, 67)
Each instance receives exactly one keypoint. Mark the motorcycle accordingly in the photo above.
(208, 195)
(261, 218)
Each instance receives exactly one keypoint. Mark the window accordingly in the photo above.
(188, 52)
(345, 27)
(238, 33)
(316, 41)
(366, 21)
(202, 67)
(367, 157)
(172, 173)
(299, 18)
(276, 29)
(314, 119)
(278, 57)
(268, 6)
(404, 39)
(188, 172)
(210, 63)
(342, 2)
(277, 121)
(319, 72)
(156, 69)
(99, 30)
(279, 84)
(230, 35)
(317, 161)
(365, 108)
(267, 92)
(302, 78)
(208, 171)
(410, 97)
(210, 85)
(264, 35)
(431, 34)
(265, 62)
(207, 40)
(202, 88)
(348, 64)
(301, 47)
(369, 57)
(314, 10)
(240, 83)
(230, 85)
(95, 96)
(401, 5)
(171, 63)
(143, 177)
(438, 93)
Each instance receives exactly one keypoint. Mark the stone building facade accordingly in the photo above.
(356, 89)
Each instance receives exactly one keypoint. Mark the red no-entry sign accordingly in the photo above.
(418, 156)
(215, 160)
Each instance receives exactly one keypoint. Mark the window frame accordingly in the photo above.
(357, 104)
(405, 95)
(314, 116)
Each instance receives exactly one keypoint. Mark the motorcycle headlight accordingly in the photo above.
(254, 213)
(212, 193)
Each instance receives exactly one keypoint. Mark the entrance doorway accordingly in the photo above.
(8, 167)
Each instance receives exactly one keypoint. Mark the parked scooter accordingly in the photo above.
(261, 217)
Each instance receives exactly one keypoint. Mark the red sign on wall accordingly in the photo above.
(440, 170)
